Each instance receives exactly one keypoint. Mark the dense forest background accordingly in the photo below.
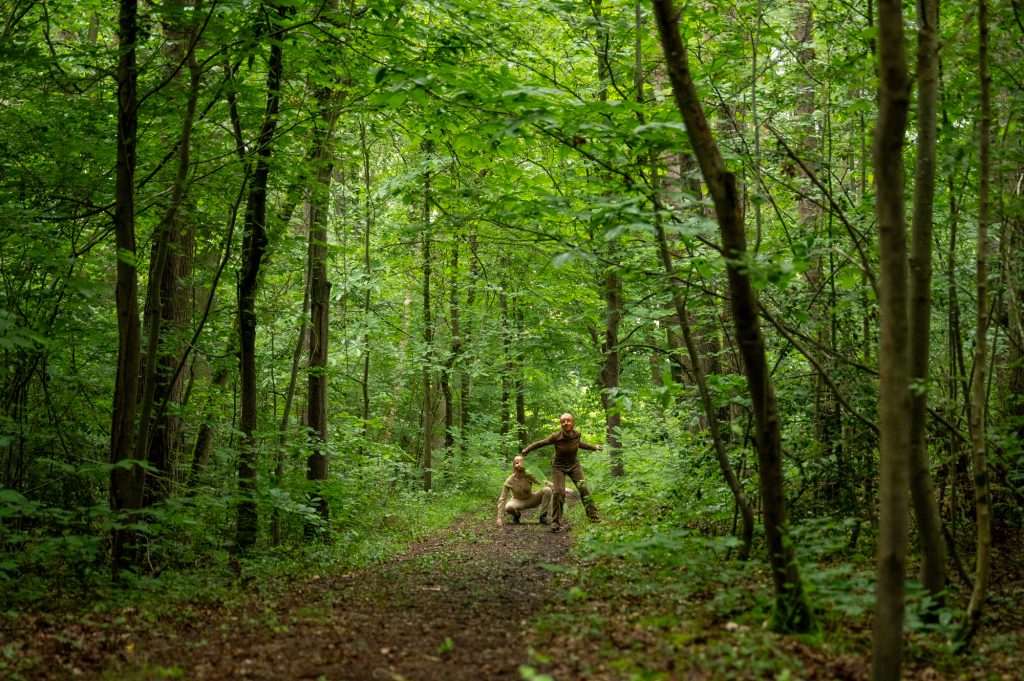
(288, 281)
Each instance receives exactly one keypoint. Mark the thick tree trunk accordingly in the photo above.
(926, 511)
(893, 344)
(126, 480)
(254, 245)
(792, 611)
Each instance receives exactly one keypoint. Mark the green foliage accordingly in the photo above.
(543, 178)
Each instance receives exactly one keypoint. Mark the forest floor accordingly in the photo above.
(473, 602)
(455, 606)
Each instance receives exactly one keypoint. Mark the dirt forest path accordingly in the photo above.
(451, 607)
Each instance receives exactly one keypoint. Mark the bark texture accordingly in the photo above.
(254, 245)
(126, 480)
(319, 300)
(926, 510)
(893, 343)
(979, 457)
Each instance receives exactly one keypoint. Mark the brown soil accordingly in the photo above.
(454, 606)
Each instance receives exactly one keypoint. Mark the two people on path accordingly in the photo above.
(567, 443)
(517, 495)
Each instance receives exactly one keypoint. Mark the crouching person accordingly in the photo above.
(517, 495)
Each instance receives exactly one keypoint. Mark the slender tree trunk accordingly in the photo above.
(957, 385)
(519, 382)
(979, 457)
(1013, 243)
(453, 351)
(926, 511)
(126, 480)
(466, 333)
(746, 513)
(289, 398)
(399, 377)
(792, 611)
(610, 369)
(893, 345)
(368, 267)
(428, 335)
(254, 245)
(611, 285)
(506, 374)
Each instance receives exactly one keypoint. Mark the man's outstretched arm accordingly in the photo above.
(550, 440)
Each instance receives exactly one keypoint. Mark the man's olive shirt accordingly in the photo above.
(567, 446)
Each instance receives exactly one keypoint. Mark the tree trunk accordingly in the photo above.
(893, 343)
(126, 479)
(979, 457)
(428, 335)
(746, 513)
(453, 351)
(519, 382)
(368, 266)
(611, 285)
(1012, 271)
(792, 611)
(169, 312)
(319, 302)
(926, 511)
(254, 245)
(506, 374)
(610, 368)
(466, 334)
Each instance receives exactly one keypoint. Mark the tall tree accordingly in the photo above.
(792, 611)
(926, 511)
(611, 283)
(465, 336)
(320, 294)
(453, 352)
(168, 309)
(126, 476)
(428, 321)
(364, 411)
(893, 342)
(979, 374)
(254, 246)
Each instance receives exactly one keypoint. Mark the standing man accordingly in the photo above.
(567, 444)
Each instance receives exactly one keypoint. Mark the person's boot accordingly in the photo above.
(543, 518)
(591, 509)
(516, 515)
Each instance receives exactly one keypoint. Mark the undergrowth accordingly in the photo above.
(656, 592)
